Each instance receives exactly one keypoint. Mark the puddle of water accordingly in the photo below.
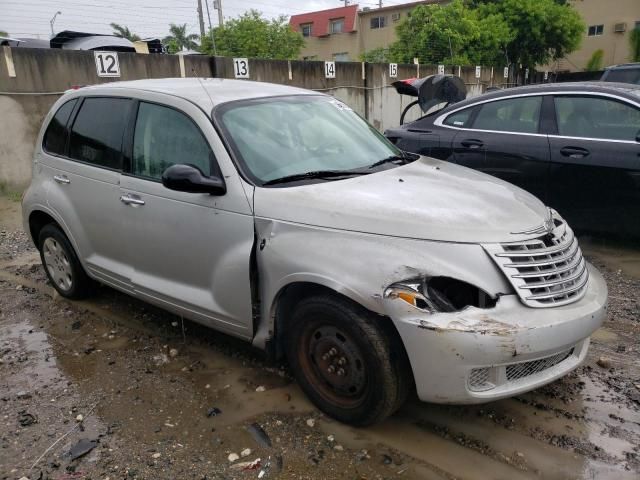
(29, 346)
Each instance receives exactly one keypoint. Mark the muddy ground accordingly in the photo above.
(150, 397)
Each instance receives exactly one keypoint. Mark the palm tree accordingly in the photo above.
(124, 32)
(179, 39)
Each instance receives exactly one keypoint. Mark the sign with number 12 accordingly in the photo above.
(107, 64)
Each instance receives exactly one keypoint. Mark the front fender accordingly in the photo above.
(359, 266)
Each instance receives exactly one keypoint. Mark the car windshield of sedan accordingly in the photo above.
(284, 137)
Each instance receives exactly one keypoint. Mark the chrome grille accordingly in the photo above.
(516, 371)
(546, 271)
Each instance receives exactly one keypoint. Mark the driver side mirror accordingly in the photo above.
(187, 178)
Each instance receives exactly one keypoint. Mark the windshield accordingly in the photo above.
(288, 136)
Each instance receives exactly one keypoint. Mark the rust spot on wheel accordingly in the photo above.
(334, 365)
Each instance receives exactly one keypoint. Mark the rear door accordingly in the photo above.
(190, 252)
(503, 138)
(85, 171)
(595, 154)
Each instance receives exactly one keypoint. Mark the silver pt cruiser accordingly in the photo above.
(278, 215)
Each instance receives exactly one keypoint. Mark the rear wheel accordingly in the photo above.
(346, 361)
(62, 265)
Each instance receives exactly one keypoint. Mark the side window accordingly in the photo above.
(55, 137)
(459, 119)
(164, 137)
(521, 115)
(96, 135)
(596, 117)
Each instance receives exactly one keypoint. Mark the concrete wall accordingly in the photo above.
(31, 80)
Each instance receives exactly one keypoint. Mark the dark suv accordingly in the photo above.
(626, 73)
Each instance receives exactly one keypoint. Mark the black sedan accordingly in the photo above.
(576, 146)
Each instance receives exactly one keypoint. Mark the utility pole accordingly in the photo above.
(346, 3)
(379, 3)
(201, 19)
(217, 4)
(213, 40)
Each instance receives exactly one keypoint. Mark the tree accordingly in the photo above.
(488, 32)
(634, 39)
(3, 33)
(595, 62)
(179, 40)
(377, 55)
(123, 31)
(252, 36)
(451, 33)
(543, 30)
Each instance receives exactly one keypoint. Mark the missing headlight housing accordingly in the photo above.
(440, 294)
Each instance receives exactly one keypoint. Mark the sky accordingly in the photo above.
(147, 18)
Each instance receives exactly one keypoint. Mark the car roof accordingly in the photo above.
(625, 89)
(201, 91)
(623, 66)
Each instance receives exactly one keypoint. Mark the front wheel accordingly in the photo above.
(346, 361)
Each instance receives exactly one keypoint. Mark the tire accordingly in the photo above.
(61, 264)
(328, 334)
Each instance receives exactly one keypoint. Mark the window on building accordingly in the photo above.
(638, 25)
(595, 30)
(395, 16)
(306, 29)
(341, 57)
(378, 22)
(337, 25)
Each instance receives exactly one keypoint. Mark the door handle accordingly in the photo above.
(574, 152)
(472, 143)
(127, 200)
(61, 179)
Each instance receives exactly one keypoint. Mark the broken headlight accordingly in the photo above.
(439, 294)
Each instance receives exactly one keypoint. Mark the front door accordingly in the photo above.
(190, 252)
(504, 140)
(595, 155)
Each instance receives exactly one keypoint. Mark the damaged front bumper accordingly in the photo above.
(478, 355)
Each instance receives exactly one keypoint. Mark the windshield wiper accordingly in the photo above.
(392, 158)
(315, 174)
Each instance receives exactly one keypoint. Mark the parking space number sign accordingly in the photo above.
(478, 71)
(393, 70)
(440, 69)
(107, 64)
(329, 69)
(241, 67)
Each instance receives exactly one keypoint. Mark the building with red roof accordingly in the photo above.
(344, 33)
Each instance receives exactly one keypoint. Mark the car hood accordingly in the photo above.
(427, 199)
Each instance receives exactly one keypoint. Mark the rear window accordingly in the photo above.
(624, 75)
(459, 119)
(96, 135)
(55, 137)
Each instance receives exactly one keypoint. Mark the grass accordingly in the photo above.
(9, 192)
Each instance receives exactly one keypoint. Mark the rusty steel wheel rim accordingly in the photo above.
(334, 365)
